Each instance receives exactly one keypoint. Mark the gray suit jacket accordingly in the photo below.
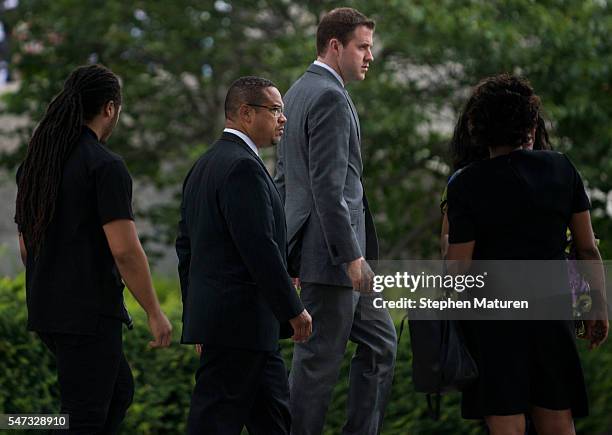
(318, 175)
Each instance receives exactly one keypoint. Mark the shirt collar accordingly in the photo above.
(330, 69)
(244, 137)
(90, 133)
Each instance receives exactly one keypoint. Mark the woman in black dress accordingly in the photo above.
(517, 205)
(464, 152)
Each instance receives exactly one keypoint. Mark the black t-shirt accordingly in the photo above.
(74, 279)
(516, 206)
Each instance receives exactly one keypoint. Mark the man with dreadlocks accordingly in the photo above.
(78, 241)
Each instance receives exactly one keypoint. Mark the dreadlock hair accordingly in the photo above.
(465, 147)
(86, 91)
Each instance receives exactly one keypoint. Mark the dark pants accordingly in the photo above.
(237, 388)
(96, 384)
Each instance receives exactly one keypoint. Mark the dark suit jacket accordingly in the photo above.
(232, 251)
(318, 173)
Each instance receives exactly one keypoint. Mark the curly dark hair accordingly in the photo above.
(502, 110)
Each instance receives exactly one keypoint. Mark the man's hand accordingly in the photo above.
(161, 329)
(198, 349)
(361, 275)
(302, 327)
(133, 266)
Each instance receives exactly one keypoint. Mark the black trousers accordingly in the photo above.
(237, 388)
(95, 380)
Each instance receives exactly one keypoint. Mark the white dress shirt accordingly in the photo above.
(244, 137)
(330, 69)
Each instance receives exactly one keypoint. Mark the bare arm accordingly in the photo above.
(459, 257)
(134, 268)
(444, 236)
(591, 267)
(458, 214)
(22, 250)
(586, 248)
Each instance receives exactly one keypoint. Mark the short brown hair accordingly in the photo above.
(340, 23)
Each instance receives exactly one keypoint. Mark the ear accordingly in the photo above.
(245, 113)
(334, 45)
(109, 109)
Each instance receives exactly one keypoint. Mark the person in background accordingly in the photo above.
(79, 244)
(517, 205)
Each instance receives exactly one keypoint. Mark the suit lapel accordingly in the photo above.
(320, 71)
(354, 112)
(235, 139)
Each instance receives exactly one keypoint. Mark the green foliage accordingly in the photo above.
(164, 378)
(26, 372)
(177, 59)
(433, 52)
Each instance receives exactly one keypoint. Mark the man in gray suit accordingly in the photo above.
(331, 234)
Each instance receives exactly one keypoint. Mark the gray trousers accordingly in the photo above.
(340, 314)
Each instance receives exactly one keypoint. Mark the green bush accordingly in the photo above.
(164, 378)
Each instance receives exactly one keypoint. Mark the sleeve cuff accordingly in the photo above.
(344, 252)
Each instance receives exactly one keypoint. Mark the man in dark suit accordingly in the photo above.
(233, 270)
(331, 233)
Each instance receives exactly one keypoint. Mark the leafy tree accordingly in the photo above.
(177, 59)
